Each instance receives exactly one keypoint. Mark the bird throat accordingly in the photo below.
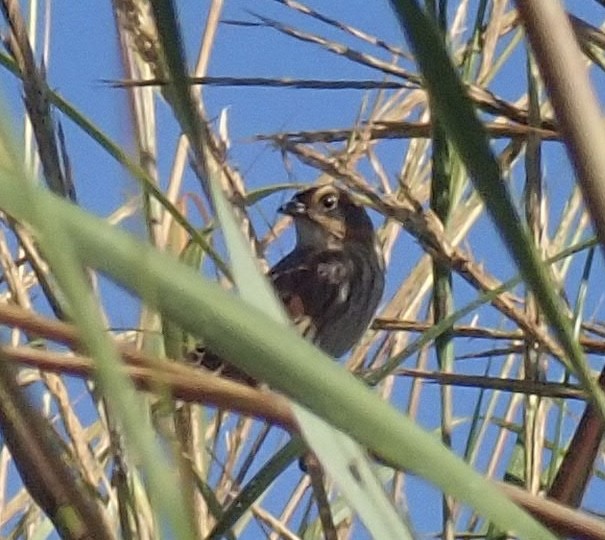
(310, 234)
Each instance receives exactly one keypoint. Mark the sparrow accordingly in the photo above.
(333, 279)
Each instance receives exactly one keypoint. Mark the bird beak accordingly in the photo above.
(293, 208)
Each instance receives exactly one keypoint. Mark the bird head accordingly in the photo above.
(327, 217)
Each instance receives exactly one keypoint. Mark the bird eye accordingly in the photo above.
(329, 202)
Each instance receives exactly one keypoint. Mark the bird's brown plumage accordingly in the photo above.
(332, 281)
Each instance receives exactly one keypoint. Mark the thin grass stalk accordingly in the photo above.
(533, 360)
(574, 470)
(553, 41)
(59, 491)
(442, 302)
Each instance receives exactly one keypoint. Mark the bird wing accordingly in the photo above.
(309, 284)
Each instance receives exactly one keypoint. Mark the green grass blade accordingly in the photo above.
(244, 335)
(458, 118)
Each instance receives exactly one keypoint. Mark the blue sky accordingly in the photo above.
(84, 52)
